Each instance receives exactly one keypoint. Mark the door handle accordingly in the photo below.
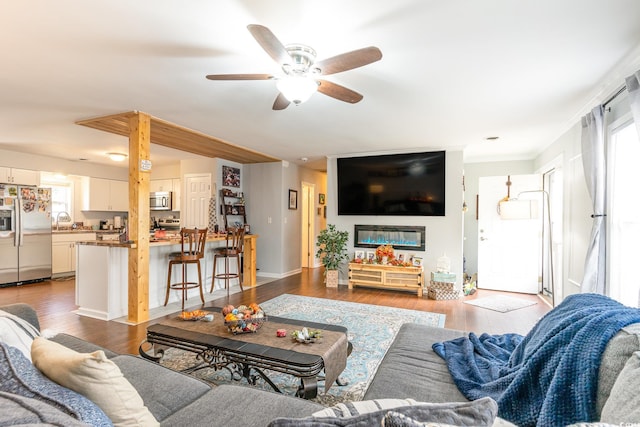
(484, 238)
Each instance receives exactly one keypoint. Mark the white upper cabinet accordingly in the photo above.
(156, 185)
(105, 195)
(177, 192)
(19, 176)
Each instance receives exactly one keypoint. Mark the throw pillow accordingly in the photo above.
(396, 419)
(615, 356)
(95, 377)
(17, 332)
(481, 412)
(19, 410)
(349, 409)
(18, 376)
(623, 405)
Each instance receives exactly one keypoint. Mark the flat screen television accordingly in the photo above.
(408, 184)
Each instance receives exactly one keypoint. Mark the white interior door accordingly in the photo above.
(196, 212)
(509, 250)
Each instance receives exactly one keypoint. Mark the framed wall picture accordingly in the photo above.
(321, 198)
(293, 199)
(230, 176)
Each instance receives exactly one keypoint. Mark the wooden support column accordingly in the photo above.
(139, 149)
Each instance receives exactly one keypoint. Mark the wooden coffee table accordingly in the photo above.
(248, 355)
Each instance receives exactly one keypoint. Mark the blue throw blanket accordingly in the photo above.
(548, 377)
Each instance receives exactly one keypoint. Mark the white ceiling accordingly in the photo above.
(453, 72)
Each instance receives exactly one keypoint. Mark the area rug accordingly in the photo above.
(371, 331)
(501, 303)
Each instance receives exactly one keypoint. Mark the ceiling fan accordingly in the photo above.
(302, 73)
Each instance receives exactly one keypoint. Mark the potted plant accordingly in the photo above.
(332, 251)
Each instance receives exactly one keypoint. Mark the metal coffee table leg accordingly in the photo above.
(308, 388)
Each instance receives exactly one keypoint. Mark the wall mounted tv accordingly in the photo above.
(409, 184)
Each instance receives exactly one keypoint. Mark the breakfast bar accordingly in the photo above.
(103, 268)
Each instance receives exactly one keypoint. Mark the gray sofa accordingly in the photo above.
(177, 399)
(410, 369)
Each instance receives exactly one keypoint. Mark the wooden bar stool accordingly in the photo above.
(232, 249)
(192, 241)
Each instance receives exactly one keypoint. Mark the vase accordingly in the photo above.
(331, 278)
(385, 260)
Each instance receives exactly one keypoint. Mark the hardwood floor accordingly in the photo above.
(54, 301)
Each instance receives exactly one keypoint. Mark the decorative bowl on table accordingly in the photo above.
(244, 318)
(306, 336)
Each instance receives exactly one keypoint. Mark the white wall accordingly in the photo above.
(291, 226)
(443, 234)
(265, 203)
(577, 202)
(166, 172)
(279, 228)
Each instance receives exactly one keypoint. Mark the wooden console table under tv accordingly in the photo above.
(386, 276)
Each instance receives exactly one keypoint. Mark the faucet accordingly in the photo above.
(65, 217)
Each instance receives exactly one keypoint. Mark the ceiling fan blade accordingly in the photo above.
(270, 43)
(336, 91)
(240, 77)
(349, 60)
(281, 102)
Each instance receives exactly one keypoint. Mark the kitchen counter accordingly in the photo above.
(103, 269)
(82, 230)
(110, 243)
(161, 242)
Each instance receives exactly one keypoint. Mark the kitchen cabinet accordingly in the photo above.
(160, 185)
(173, 185)
(105, 195)
(177, 192)
(63, 251)
(19, 176)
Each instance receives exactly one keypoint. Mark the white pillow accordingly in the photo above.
(349, 409)
(95, 377)
(17, 332)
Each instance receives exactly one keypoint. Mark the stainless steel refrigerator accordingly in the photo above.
(25, 234)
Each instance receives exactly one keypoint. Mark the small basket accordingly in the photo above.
(245, 326)
(440, 294)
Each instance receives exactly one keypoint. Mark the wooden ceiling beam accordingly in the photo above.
(180, 138)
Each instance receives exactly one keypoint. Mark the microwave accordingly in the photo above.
(160, 201)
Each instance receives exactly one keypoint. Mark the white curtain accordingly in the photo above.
(595, 172)
(633, 87)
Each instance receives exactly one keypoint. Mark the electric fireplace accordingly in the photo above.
(404, 237)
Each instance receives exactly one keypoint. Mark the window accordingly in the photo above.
(61, 194)
(623, 214)
(60, 199)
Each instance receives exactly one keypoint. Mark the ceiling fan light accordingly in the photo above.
(297, 89)
(117, 157)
